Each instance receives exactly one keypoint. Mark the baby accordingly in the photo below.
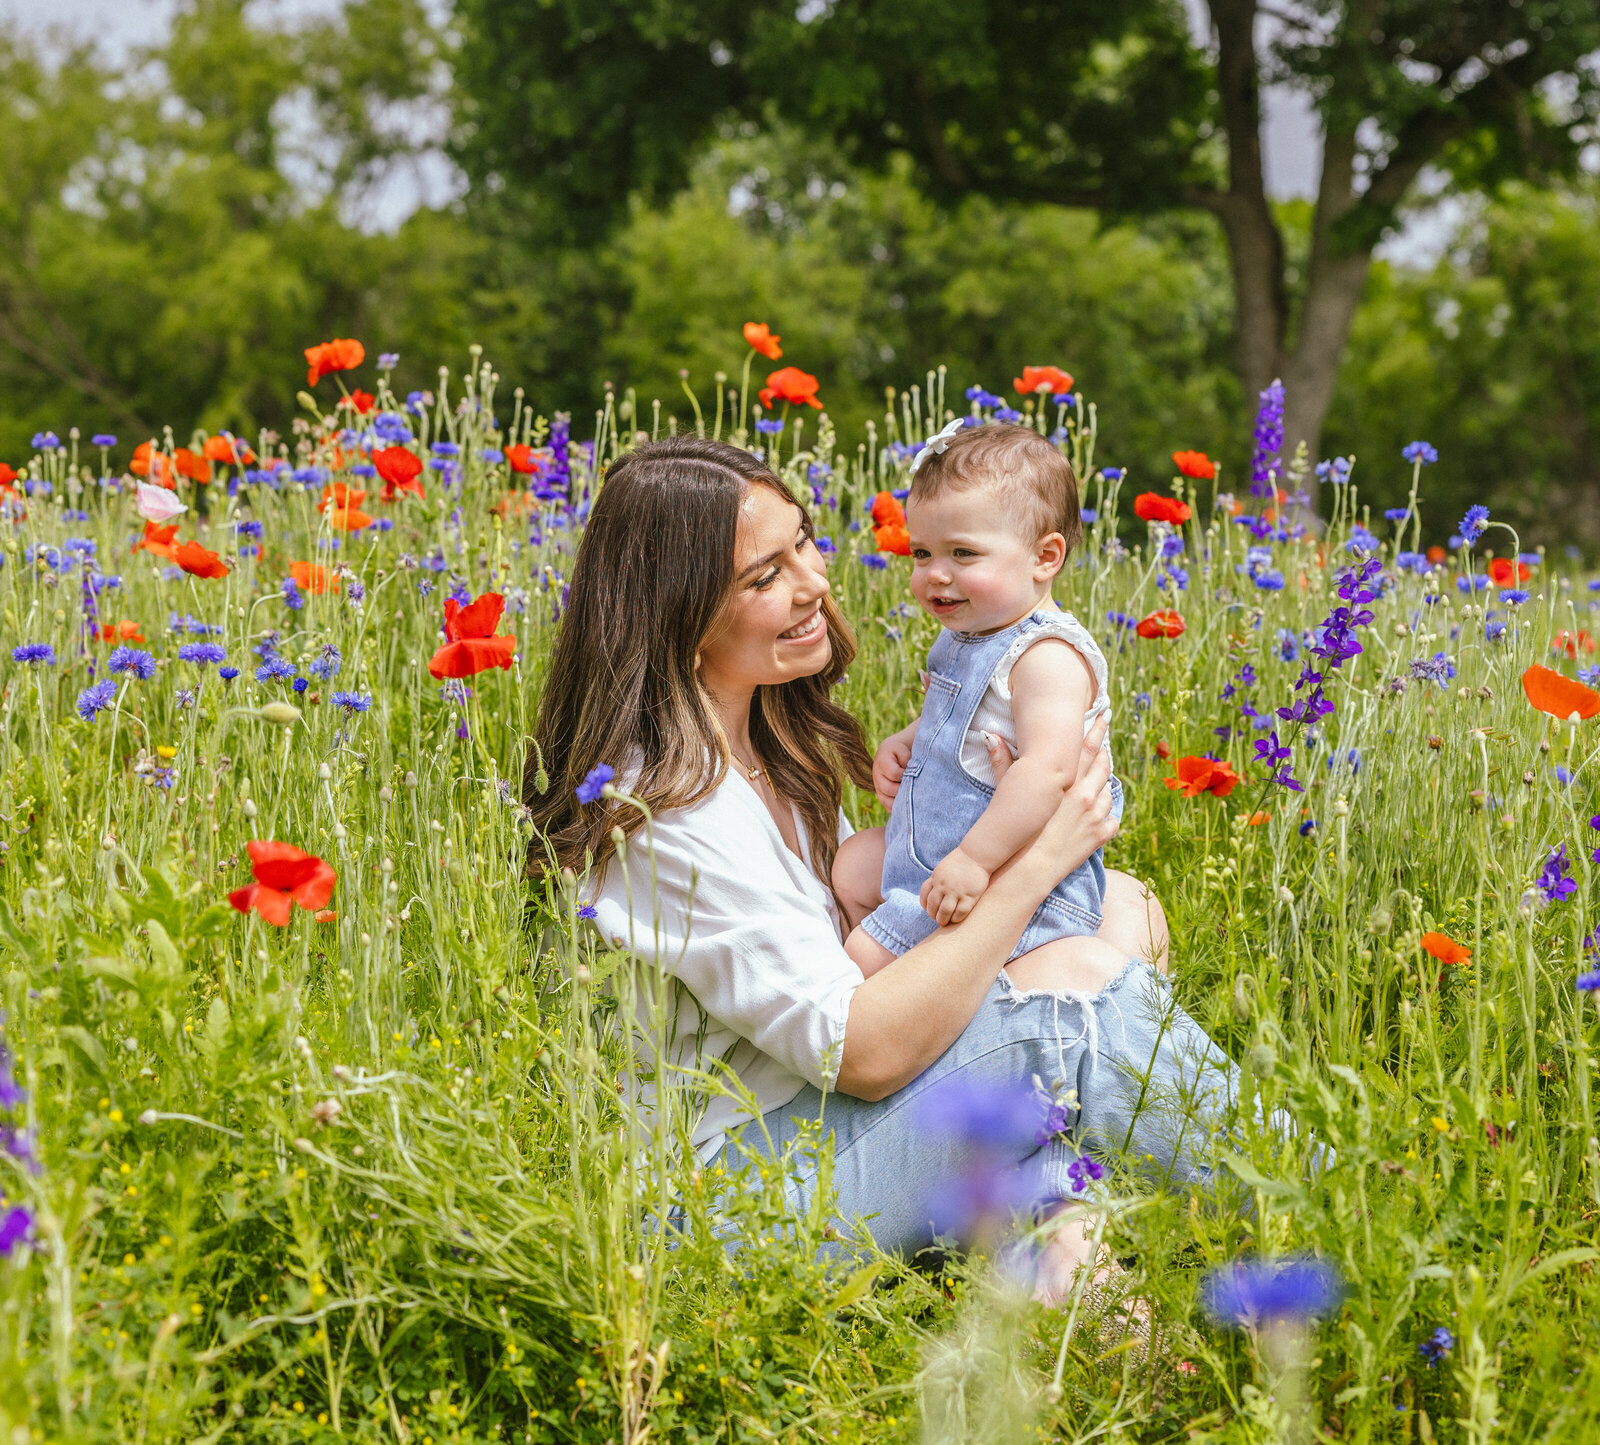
(992, 515)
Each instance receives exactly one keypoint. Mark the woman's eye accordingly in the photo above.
(762, 583)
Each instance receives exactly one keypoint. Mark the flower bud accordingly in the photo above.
(1341, 807)
(278, 711)
(324, 772)
(248, 808)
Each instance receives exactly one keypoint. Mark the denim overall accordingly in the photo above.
(939, 800)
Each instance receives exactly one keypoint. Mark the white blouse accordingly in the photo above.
(753, 936)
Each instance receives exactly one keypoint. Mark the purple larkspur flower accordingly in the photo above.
(1554, 881)
(1268, 440)
(15, 1224)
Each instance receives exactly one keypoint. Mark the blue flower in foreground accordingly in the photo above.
(96, 699)
(46, 441)
(594, 783)
(274, 669)
(1590, 982)
(228, 674)
(1424, 452)
(300, 684)
(1513, 597)
(1361, 540)
(769, 426)
(1089, 516)
(202, 652)
(994, 1117)
(102, 439)
(1472, 525)
(588, 910)
(352, 701)
(1254, 1292)
(132, 659)
(1113, 474)
(1397, 514)
(34, 652)
(875, 560)
(1437, 1345)
(1553, 881)
(326, 663)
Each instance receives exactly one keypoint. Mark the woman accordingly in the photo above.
(698, 651)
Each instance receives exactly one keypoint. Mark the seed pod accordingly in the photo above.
(278, 711)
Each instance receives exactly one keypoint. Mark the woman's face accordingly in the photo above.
(773, 629)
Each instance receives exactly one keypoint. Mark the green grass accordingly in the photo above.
(464, 1249)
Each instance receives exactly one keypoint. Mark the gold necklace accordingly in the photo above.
(751, 773)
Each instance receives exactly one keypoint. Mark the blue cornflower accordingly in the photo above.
(1530, 559)
(1494, 629)
(876, 560)
(326, 663)
(1255, 1292)
(445, 449)
(352, 701)
(1553, 880)
(273, 669)
(1288, 644)
(247, 528)
(45, 441)
(96, 699)
(201, 652)
(388, 360)
(1473, 582)
(1113, 474)
(984, 398)
(300, 684)
(132, 659)
(769, 426)
(294, 599)
(418, 401)
(1121, 619)
(185, 696)
(1589, 676)
(1563, 775)
(1335, 470)
(594, 782)
(1437, 1346)
(1271, 581)
(34, 652)
(588, 910)
(1439, 668)
(1007, 413)
(1361, 540)
(102, 439)
(1411, 562)
(1423, 452)
(1514, 597)
(1308, 827)
(1589, 982)
(355, 592)
(1397, 514)
(1089, 516)
(227, 674)
(825, 545)
(1473, 524)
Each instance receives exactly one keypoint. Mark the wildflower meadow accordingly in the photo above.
(317, 1114)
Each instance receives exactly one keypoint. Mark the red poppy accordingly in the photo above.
(284, 875)
(1195, 464)
(472, 646)
(1043, 378)
(8, 475)
(1557, 695)
(157, 539)
(192, 465)
(1566, 643)
(1436, 555)
(1504, 572)
(1153, 507)
(522, 460)
(399, 467)
(893, 539)
(333, 356)
(148, 462)
(887, 511)
(760, 338)
(1202, 775)
(341, 504)
(310, 577)
(1445, 949)
(121, 632)
(1256, 819)
(515, 504)
(792, 385)
(361, 401)
(223, 449)
(1164, 623)
(1163, 750)
(199, 561)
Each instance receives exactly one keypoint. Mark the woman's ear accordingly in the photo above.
(697, 660)
(1049, 557)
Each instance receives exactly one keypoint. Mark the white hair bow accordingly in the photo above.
(937, 443)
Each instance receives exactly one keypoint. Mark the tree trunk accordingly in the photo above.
(1334, 282)
(1255, 245)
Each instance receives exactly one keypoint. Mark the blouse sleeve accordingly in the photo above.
(737, 925)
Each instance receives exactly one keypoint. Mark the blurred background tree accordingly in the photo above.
(174, 229)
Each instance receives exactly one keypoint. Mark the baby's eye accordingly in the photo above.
(964, 552)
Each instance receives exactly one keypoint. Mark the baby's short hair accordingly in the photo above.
(1016, 461)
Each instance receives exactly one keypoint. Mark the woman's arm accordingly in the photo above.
(902, 1018)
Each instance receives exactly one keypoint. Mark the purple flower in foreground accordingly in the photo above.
(1268, 440)
(132, 659)
(995, 1117)
(14, 1226)
(1258, 1291)
(34, 652)
(1423, 452)
(1437, 1346)
(1589, 982)
(594, 783)
(1084, 1171)
(1473, 524)
(1553, 880)
(93, 701)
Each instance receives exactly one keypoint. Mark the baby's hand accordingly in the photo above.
(953, 888)
(889, 766)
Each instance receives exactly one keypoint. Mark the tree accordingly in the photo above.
(575, 107)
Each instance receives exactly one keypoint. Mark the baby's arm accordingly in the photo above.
(1051, 689)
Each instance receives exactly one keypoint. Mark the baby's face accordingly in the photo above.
(970, 567)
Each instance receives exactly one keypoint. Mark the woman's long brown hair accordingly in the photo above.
(653, 575)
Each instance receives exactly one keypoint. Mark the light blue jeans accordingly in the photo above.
(1149, 1086)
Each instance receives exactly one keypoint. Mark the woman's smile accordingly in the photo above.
(807, 630)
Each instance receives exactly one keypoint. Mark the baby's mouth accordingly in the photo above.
(945, 604)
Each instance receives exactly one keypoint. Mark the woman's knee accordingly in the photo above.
(1082, 965)
(1134, 921)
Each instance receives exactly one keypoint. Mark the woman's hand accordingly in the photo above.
(1082, 822)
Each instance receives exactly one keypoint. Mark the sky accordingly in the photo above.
(1291, 143)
